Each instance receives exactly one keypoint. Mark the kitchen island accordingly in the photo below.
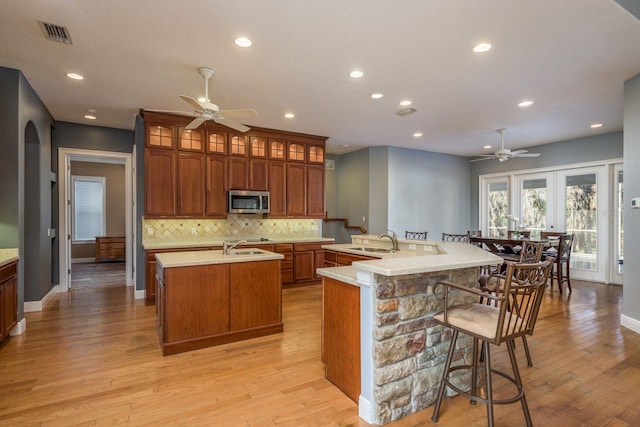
(207, 298)
(392, 341)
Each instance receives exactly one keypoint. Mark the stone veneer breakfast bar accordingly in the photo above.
(402, 352)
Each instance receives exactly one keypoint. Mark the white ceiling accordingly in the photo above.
(570, 56)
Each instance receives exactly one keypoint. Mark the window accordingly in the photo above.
(88, 207)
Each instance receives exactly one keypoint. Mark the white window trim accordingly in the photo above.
(103, 181)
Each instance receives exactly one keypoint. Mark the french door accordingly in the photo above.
(583, 201)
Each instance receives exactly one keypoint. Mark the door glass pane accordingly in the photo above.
(498, 207)
(620, 193)
(582, 220)
(534, 206)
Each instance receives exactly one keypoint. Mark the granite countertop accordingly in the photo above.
(452, 255)
(8, 255)
(191, 258)
(195, 243)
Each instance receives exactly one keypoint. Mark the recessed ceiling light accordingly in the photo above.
(482, 47)
(417, 134)
(376, 95)
(596, 125)
(405, 102)
(289, 115)
(345, 145)
(356, 74)
(243, 42)
(525, 103)
(486, 147)
(91, 114)
(75, 76)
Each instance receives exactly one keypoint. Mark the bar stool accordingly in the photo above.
(512, 314)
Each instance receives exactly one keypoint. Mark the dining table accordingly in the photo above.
(509, 248)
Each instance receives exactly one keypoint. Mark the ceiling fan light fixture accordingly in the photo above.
(203, 99)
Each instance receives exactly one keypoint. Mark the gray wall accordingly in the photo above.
(399, 189)
(428, 192)
(630, 306)
(138, 138)
(25, 214)
(590, 149)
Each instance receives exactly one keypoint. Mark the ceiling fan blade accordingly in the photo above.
(195, 123)
(527, 155)
(180, 113)
(518, 152)
(193, 102)
(247, 112)
(233, 125)
(486, 157)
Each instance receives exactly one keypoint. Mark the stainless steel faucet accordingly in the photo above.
(393, 237)
(226, 247)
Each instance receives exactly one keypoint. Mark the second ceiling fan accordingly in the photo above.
(504, 154)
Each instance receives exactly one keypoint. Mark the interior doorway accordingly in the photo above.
(67, 237)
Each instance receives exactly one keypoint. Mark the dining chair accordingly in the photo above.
(562, 269)
(547, 234)
(446, 237)
(416, 235)
(511, 314)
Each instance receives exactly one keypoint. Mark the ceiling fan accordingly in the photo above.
(504, 154)
(205, 110)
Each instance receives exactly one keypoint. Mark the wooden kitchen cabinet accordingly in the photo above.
(277, 188)
(191, 180)
(216, 187)
(336, 259)
(150, 270)
(286, 266)
(160, 183)
(307, 257)
(296, 190)
(255, 294)
(238, 173)
(315, 191)
(258, 175)
(8, 298)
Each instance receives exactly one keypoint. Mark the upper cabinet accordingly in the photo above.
(188, 172)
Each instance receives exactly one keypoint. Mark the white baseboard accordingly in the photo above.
(630, 323)
(19, 328)
(31, 306)
(364, 410)
(139, 294)
(82, 260)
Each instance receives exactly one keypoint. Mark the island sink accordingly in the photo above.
(370, 249)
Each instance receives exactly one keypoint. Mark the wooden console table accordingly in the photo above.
(109, 248)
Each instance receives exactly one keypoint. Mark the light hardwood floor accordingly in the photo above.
(92, 358)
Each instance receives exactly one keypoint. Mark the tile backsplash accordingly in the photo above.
(235, 226)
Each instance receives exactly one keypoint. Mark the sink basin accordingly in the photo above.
(249, 252)
(368, 249)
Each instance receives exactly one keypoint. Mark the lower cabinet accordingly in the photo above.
(307, 257)
(150, 270)
(8, 298)
(286, 270)
(206, 305)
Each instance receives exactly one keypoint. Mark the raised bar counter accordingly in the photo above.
(401, 350)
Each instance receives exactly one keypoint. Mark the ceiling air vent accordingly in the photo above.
(406, 111)
(55, 32)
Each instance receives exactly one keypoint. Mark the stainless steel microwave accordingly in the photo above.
(243, 201)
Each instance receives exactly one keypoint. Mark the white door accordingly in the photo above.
(533, 202)
(495, 206)
(583, 210)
